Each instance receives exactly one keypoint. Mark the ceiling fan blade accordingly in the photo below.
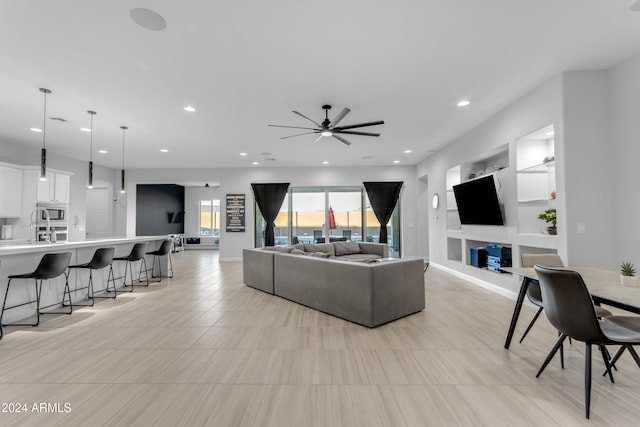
(317, 139)
(360, 125)
(291, 127)
(299, 134)
(352, 132)
(341, 115)
(341, 139)
(312, 121)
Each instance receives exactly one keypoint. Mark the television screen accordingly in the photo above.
(478, 202)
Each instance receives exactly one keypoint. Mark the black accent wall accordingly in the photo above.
(156, 204)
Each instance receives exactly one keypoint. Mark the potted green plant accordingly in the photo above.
(549, 216)
(628, 274)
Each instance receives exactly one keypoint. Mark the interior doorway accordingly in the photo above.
(98, 213)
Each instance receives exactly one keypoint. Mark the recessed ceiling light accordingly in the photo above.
(103, 151)
(35, 130)
(408, 151)
(243, 154)
(396, 161)
(164, 150)
(463, 103)
(255, 163)
(85, 129)
(189, 108)
(148, 19)
(325, 162)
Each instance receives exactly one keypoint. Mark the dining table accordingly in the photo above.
(604, 286)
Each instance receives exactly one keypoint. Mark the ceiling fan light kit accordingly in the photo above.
(329, 128)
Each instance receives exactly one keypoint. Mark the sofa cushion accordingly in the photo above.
(359, 257)
(346, 248)
(322, 247)
(320, 254)
(280, 249)
(299, 246)
(298, 252)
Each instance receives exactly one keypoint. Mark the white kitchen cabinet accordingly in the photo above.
(10, 191)
(55, 189)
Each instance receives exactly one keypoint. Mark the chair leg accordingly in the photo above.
(634, 354)
(605, 357)
(143, 262)
(616, 356)
(553, 351)
(124, 280)
(531, 323)
(587, 378)
(4, 304)
(110, 278)
(171, 265)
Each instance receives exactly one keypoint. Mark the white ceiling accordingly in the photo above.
(245, 64)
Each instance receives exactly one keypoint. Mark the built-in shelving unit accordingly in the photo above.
(536, 185)
(525, 191)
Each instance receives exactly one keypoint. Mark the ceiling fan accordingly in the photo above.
(329, 128)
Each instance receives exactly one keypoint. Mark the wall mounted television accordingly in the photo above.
(478, 202)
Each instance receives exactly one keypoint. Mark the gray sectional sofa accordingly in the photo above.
(363, 287)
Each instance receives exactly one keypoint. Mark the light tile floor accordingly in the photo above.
(203, 349)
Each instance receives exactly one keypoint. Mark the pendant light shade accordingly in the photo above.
(122, 183)
(43, 152)
(90, 183)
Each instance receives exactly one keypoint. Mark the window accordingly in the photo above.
(305, 217)
(209, 217)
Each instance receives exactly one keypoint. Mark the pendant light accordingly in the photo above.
(43, 153)
(90, 184)
(122, 187)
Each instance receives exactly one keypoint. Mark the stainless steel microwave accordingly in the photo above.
(56, 212)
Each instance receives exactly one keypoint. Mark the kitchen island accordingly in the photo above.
(22, 257)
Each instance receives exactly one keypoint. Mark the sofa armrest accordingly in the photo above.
(257, 269)
(380, 249)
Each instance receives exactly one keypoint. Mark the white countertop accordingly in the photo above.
(8, 247)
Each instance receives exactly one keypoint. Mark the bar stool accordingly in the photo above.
(102, 258)
(164, 249)
(50, 267)
(136, 254)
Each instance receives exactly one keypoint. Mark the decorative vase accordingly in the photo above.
(628, 280)
(552, 230)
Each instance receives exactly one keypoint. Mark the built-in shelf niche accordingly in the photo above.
(536, 179)
(454, 249)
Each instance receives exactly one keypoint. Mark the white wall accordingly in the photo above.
(624, 143)
(587, 170)
(238, 181)
(540, 107)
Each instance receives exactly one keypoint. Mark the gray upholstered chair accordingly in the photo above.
(533, 292)
(628, 322)
(569, 308)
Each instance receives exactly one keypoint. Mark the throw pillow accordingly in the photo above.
(321, 254)
(298, 252)
(322, 247)
(347, 248)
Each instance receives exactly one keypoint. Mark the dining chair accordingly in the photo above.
(629, 322)
(533, 291)
(569, 308)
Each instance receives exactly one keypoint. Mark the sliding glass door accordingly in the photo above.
(325, 214)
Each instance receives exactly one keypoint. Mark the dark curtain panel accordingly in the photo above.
(269, 198)
(383, 197)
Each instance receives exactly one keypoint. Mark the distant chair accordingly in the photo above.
(346, 234)
(294, 240)
(163, 250)
(317, 235)
(136, 254)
